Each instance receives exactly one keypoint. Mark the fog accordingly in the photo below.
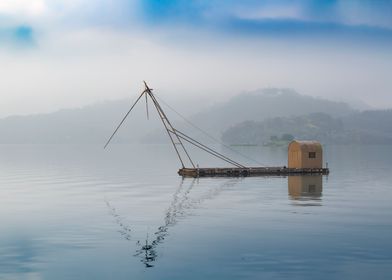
(56, 55)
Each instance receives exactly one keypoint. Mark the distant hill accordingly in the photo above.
(376, 124)
(91, 124)
(266, 103)
(369, 127)
(255, 106)
(95, 123)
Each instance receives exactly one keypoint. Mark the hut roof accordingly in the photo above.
(306, 144)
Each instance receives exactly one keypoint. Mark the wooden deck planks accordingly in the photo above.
(249, 171)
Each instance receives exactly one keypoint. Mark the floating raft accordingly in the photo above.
(301, 153)
(249, 171)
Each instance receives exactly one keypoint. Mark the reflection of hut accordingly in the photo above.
(305, 154)
(305, 186)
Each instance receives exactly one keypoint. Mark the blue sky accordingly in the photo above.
(328, 19)
(302, 44)
(351, 19)
(376, 13)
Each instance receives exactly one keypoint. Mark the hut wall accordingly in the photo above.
(305, 154)
(294, 155)
(311, 162)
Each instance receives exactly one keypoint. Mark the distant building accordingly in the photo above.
(305, 154)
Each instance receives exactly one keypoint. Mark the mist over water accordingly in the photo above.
(72, 212)
(253, 75)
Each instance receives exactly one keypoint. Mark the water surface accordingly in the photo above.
(79, 212)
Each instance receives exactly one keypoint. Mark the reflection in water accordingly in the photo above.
(306, 190)
(147, 250)
(124, 230)
(179, 208)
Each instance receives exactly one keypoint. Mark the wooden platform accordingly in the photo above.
(249, 171)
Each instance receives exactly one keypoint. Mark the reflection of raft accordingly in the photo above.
(249, 171)
(305, 157)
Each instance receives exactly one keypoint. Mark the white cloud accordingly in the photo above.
(74, 64)
(23, 7)
(85, 66)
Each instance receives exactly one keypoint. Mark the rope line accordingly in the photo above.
(207, 134)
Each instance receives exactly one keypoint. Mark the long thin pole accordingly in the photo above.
(172, 129)
(169, 128)
(147, 107)
(126, 115)
(179, 135)
(172, 132)
(207, 149)
(170, 136)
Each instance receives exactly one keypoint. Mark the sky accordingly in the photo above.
(69, 53)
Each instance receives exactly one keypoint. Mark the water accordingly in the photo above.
(78, 212)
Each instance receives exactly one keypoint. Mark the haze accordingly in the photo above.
(62, 54)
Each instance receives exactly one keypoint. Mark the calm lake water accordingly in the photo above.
(81, 212)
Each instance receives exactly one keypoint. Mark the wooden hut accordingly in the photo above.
(305, 154)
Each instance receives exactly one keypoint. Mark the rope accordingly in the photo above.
(207, 134)
(207, 149)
